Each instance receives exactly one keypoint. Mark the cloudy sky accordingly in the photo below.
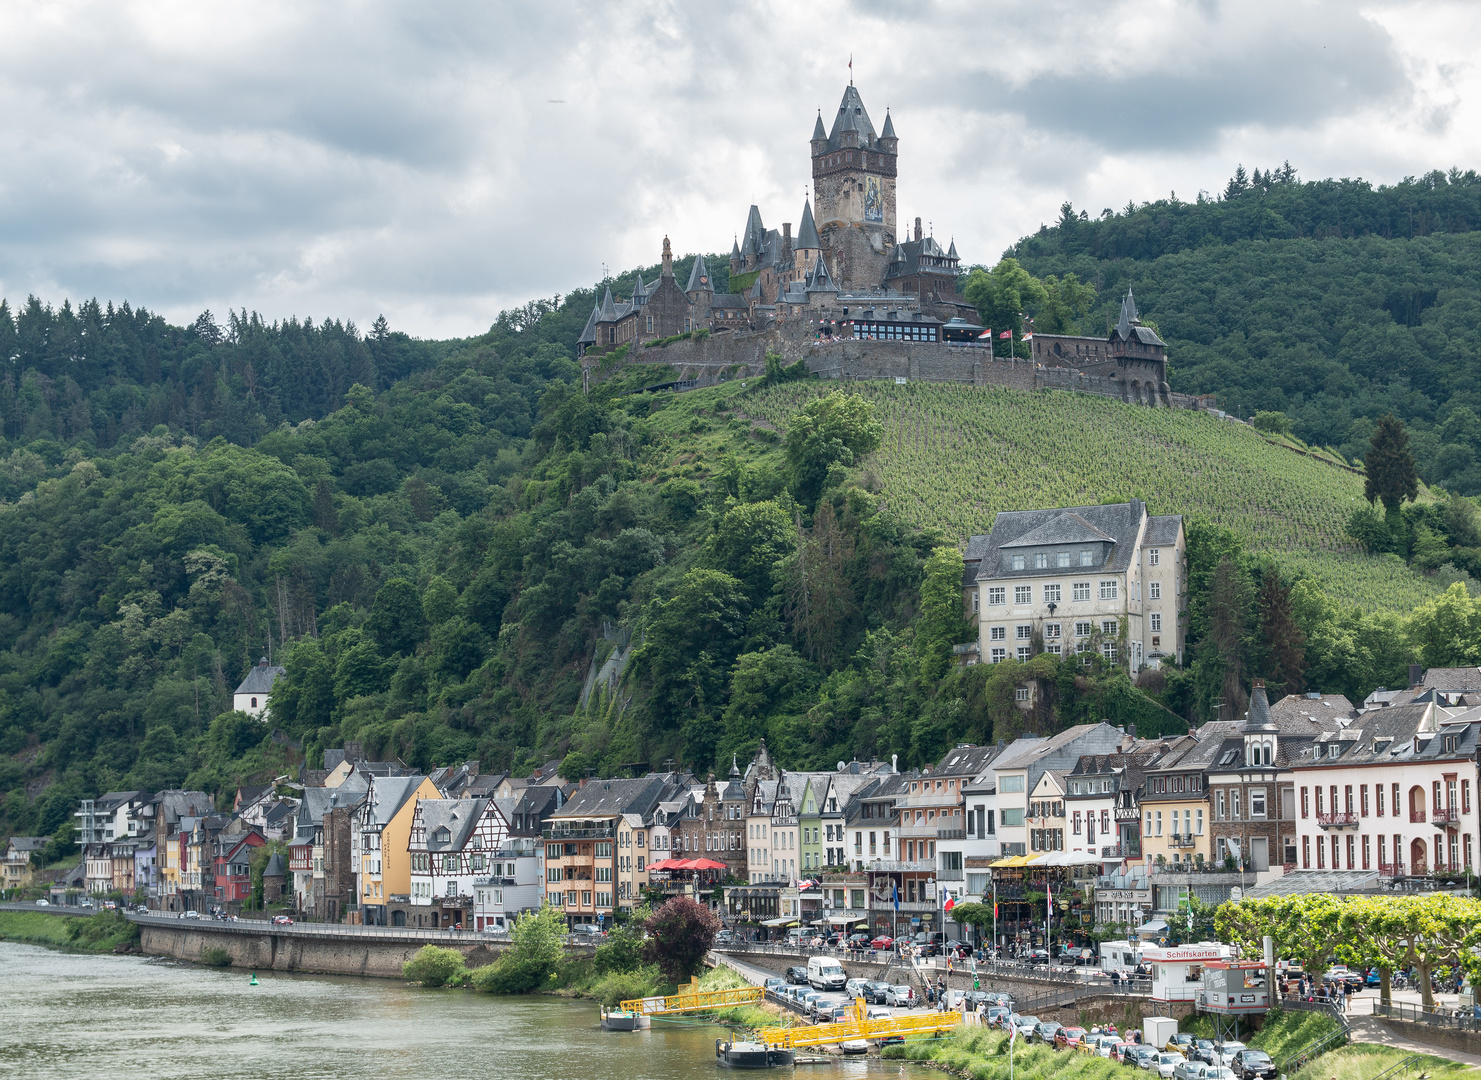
(438, 162)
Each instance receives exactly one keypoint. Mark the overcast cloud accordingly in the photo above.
(439, 162)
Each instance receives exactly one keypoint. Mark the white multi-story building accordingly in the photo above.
(1392, 793)
(1019, 768)
(453, 844)
(1107, 578)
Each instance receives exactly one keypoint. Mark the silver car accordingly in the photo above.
(899, 995)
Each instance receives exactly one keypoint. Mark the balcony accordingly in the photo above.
(1113, 851)
(1416, 817)
(1181, 840)
(950, 874)
(895, 866)
(1330, 821)
(1448, 815)
(601, 832)
(951, 834)
(1394, 869)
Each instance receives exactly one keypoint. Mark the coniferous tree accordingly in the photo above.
(1282, 640)
(1391, 475)
(1228, 619)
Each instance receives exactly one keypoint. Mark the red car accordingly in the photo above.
(882, 942)
(282, 920)
(1068, 1038)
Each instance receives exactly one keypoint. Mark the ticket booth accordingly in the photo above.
(1232, 989)
(1177, 970)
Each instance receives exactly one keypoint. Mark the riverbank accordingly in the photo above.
(977, 1053)
(105, 932)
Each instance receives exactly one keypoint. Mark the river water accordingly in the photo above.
(79, 1016)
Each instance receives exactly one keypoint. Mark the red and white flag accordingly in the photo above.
(1006, 334)
(985, 335)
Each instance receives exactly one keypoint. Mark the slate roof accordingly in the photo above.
(1163, 531)
(609, 798)
(818, 278)
(807, 231)
(1322, 708)
(818, 131)
(1258, 719)
(387, 795)
(1388, 736)
(699, 277)
(965, 761)
(851, 117)
(458, 816)
(1129, 325)
(889, 127)
(275, 866)
(1452, 679)
(177, 804)
(1014, 529)
(908, 254)
(589, 334)
(260, 679)
(24, 845)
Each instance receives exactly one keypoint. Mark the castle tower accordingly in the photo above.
(700, 291)
(807, 246)
(854, 171)
(735, 256)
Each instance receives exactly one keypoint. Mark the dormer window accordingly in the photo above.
(1334, 749)
(1018, 562)
(1062, 559)
(1087, 558)
(1041, 561)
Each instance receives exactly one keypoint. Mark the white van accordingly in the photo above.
(825, 973)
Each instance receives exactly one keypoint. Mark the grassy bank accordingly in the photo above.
(982, 1054)
(102, 933)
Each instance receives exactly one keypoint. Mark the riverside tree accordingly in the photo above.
(679, 934)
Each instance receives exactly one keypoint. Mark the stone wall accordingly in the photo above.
(1468, 1042)
(743, 355)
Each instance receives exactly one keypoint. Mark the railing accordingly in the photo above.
(1416, 817)
(1402, 1068)
(1113, 851)
(1421, 1014)
(1390, 869)
(1181, 840)
(603, 833)
(1295, 1062)
(951, 834)
(950, 874)
(1329, 820)
(1448, 814)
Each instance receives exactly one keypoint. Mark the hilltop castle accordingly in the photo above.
(845, 260)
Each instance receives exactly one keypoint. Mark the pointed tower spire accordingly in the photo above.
(889, 127)
(609, 309)
(699, 277)
(818, 131)
(807, 232)
(640, 291)
(1128, 315)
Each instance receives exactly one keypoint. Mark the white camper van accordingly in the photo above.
(825, 973)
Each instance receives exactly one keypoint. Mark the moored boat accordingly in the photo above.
(623, 1020)
(751, 1055)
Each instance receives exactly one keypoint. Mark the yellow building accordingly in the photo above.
(18, 872)
(383, 827)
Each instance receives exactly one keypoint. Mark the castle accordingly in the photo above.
(845, 260)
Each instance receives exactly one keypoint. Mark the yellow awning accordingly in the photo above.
(1009, 861)
(1016, 860)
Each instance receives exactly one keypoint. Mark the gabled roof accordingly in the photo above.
(1452, 679)
(1120, 522)
(458, 817)
(807, 232)
(1398, 735)
(589, 334)
(609, 798)
(387, 795)
(1129, 325)
(24, 845)
(260, 679)
(1163, 531)
(609, 309)
(818, 279)
(1066, 528)
(699, 277)
(1321, 708)
(965, 761)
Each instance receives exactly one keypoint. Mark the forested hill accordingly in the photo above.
(1334, 301)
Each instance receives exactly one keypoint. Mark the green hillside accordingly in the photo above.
(953, 456)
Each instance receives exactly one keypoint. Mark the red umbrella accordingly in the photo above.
(706, 864)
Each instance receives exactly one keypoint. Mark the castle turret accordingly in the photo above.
(700, 291)
(735, 256)
(854, 173)
(668, 259)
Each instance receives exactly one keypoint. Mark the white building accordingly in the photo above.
(1019, 768)
(252, 696)
(1394, 793)
(453, 844)
(1109, 578)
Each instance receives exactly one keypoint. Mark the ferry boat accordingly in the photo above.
(752, 1055)
(624, 1020)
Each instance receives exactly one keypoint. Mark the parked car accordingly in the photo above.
(1143, 1056)
(1374, 977)
(858, 940)
(282, 920)
(587, 932)
(1226, 1051)
(1179, 1043)
(1253, 1065)
(996, 1015)
(884, 941)
(900, 995)
(1045, 1030)
(1167, 1062)
(1103, 1045)
(1069, 1038)
(1201, 1050)
(855, 988)
(796, 974)
(1026, 1025)
(1121, 1053)
(1036, 956)
(774, 984)
(1201, 1070)
(191, 914)
(43, 902)
(874, 991)
(724, 937)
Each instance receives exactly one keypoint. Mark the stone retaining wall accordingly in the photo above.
(1468, 1042)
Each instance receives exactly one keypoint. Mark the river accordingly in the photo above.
(77, 1016)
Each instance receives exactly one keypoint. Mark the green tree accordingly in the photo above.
(691, 641)
(1002, 296)
(836, 430)
(817, 598)
(396, 620)
(943, 622)
(1390, 473)
(434, 966)
(1447, 629)
(1281, 639)
(1066, 302)
(1228, 633)
(1272, 423)
(749, 540)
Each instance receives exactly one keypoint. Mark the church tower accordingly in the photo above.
(854, 172)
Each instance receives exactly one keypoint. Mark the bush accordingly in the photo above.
(617, 987)
(215, 956)
(623, 952)
(1273, 423)
(512, 975)
(433, 966)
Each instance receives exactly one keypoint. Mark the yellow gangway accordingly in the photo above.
(695, 1000)
(861, 1027)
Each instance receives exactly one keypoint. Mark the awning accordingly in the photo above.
(845, 920)
(784, 921)
(1068, 858)
(1017, 860)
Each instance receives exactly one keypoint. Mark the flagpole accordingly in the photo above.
(995, 914)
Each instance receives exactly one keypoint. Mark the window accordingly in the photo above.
(1052, 594)
(1041, 561)
(1108, 627)
(976, 602)
(1052, 649)
(1396, 804)
(1018, 562)
(1021, 693)
(1198, 830)
(1023, 632)
(1257, 802)
(1108, 650)
(999, 655)
(1025, 652)
(1062, 559)
(1108, 590)
(998, 633)
(1052, 630)
(1154, 556)
(650, 324)
(1306, 802)
(1465, 796)
(1087, 558)
(996, 595)
(1023, 594)
(1080, 590)
(1347, 798)
(1012, 819)
(1083, 629)
(1366, 850)
(1159, 823)
(1156, 622)
(1011, 785)
(1306, 852)
(1378, 796)
(1154, 590)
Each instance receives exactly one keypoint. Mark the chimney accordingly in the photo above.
(1131, 730)
(1416, 675)
(894, 763)
(917, 228)
(786, 238)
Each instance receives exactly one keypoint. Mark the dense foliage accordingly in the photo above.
(1333, 301)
